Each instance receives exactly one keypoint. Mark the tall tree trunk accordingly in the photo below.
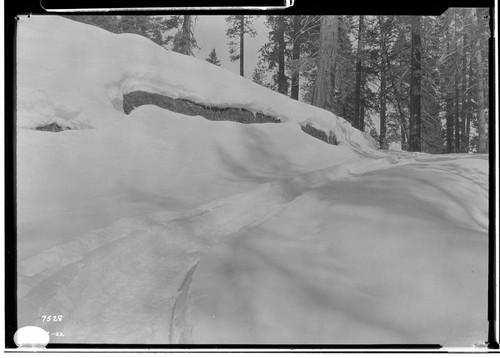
(282, 80)
(449, 107)
(404, 132)
(449, 123)
(402, 121)
(457, 119)
(469, 106)
(415, 86)
(296, 56)
(184, 40)
(481, 146)
(242, 45)
(463, 112)
(383, 84)
(334, 76)
(359, 69)
(323, 89)
(362, 116)
(382, 112)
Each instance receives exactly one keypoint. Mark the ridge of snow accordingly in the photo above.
(49, 261)
(154, 158)
(86, 71)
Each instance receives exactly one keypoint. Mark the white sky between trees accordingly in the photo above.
(210, 32)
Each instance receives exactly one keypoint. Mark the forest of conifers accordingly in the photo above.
(416, 83)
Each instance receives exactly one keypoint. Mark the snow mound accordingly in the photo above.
(82, 73)
(155, 160)
(157, 227)
(364, 260)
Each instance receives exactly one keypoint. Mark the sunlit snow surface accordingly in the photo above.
(162, 228)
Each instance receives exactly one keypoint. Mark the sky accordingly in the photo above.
(210, 32)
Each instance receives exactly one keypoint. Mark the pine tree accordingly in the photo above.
(238, 26)
(276, 51)
(281, 77)
(184, 41)
(415, 144)
(296, 44)
(431, 127)
(358, 120)
(456, 89)
(259, 75)
(323, 89)
(344, 70)
(463, 113)
(306, 64)
(400, 79)
(383, 80)
(212, 58)
(481, 147)
(459, 74)
(448, 73)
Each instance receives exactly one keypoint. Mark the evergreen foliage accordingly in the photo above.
(238, 26)
(184, 40)
(212, 58)
(453, 69)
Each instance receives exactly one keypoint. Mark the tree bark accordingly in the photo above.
(468, 108)
(296, 56)
(448, 108)
(362, 116)
(282, 80)
(383, 84)
(449, 124)
(184, 41)
(415, 143)
(481, 146)
(463, 112)
(323, 89)
(457, 96)
(404, 131)
(358, 85)
(456, 115)
(242, 45)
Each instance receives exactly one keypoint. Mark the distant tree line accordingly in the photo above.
(425, 78)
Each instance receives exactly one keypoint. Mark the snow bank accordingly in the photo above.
(395, 256)
(73, 181)
(75, 75)
(158, 227)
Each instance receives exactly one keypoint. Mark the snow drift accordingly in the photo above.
(111, 65)
(157, 227)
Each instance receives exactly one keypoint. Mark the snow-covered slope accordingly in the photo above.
(75, 75)
(103, 66)
(365, 260)
(157, 227)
